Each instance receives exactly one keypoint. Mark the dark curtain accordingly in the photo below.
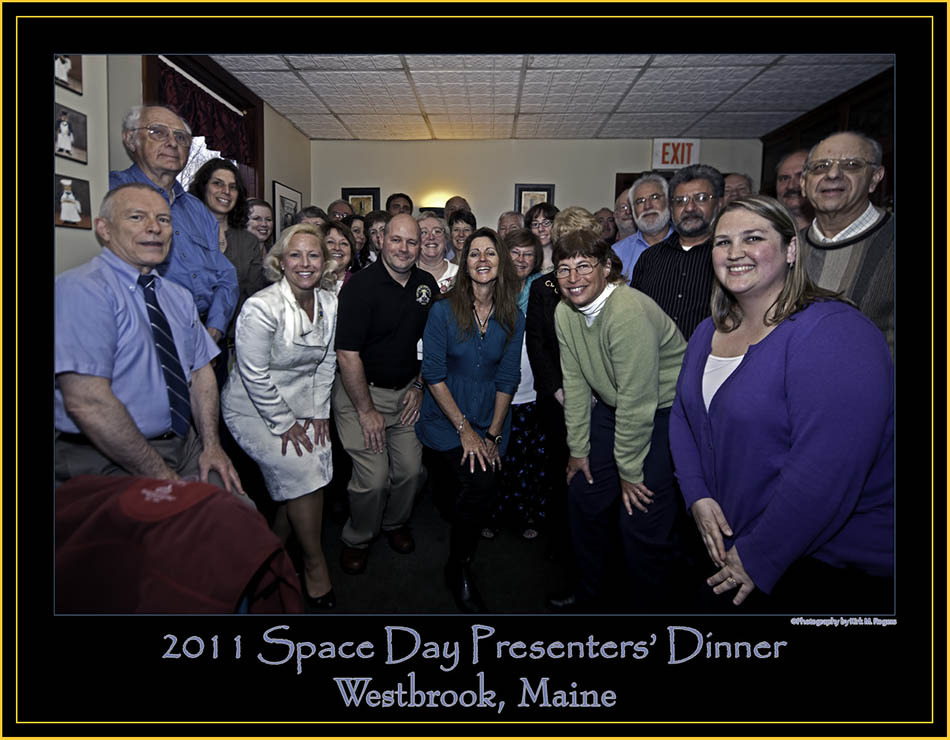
(224, 130)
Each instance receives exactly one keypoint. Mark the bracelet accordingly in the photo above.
(461, 424)
(418, 385)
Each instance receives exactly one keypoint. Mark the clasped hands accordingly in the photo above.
(297, 436)
(712, 525)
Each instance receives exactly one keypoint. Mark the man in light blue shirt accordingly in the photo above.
(158, 142)
(649, 199)
(111, 398)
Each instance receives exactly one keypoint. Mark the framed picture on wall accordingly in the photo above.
(71, 202)
(287, 202)
(69, 134)
(67, 71)
(527, 196)
(361, 200)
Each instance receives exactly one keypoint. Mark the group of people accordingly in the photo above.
(702, 383)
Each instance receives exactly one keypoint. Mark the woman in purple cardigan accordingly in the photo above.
(782, 431)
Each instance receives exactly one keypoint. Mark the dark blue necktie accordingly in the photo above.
(179, 398)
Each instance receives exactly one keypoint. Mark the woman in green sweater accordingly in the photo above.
(620, 358)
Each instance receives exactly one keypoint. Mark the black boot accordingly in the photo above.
(461, 582)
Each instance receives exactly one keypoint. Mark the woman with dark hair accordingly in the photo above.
(783, 429)
(260, 223)
(461, 225)
(540, 219)
(524, 483)
(472, 346)
(620, 355)
(342, 255)
(277, 400)
(357, 224)
(218, 184)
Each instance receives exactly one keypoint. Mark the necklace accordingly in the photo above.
(483, 325)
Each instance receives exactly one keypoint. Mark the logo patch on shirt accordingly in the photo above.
(423, 295)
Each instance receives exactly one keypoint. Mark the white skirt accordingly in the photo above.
(286, 476)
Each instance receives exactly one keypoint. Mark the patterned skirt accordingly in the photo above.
(523, 492)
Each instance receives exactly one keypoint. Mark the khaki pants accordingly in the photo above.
(181, 455)
(383, 486)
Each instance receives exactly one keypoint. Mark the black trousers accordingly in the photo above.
(650, 541)
(467, 497)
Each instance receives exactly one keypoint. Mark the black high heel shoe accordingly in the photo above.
(327, 601)
(461, 583)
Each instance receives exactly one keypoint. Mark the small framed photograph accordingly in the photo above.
(67, 71)
(71, 202)
(287, 202)
(527, 196)
(69, 134)
(362, 200)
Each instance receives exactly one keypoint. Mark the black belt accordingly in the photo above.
(82, 439)
(384, 386)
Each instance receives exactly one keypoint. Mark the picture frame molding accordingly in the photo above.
(522, 189)
(347, 193)
(284, 191)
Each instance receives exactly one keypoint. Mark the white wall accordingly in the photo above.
(286, 156)
(485, 172)
(76, 246)
(125, 91)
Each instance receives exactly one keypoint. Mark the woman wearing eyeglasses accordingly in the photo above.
(540, 219)
(433, 236)
(620, 356)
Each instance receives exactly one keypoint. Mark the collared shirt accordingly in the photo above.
(383, 321)
(679, 280)
(195, 261)
(862, 222)
(630, 249)
(102, 329)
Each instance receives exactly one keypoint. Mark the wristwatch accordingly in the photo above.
(496, 438)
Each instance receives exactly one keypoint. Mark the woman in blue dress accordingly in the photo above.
(471, 367)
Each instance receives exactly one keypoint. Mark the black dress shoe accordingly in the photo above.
(562, 602)
(353, 559)
(461, 583)
(401, 540)
(327, 601)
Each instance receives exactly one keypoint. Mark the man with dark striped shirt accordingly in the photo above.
(677, 273)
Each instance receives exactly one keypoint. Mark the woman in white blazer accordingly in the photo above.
(277, 399)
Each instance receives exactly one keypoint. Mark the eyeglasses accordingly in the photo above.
(623, 208)
(437, 231)
(546, 223)
(682, 200)
(845, 164)
(160, 132)
(653, 199)
(584, 268)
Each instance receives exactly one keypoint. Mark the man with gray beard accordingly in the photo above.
(651, 212)
(677, 272)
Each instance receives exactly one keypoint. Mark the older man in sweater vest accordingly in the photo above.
(852, 241)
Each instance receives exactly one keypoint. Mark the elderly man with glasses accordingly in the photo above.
(159, 141)
(852, 241)
(649, 198)
(677, 273)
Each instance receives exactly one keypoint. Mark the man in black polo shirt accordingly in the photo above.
(376, 398)
(677, 273)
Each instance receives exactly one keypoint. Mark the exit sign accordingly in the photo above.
(674, 153)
